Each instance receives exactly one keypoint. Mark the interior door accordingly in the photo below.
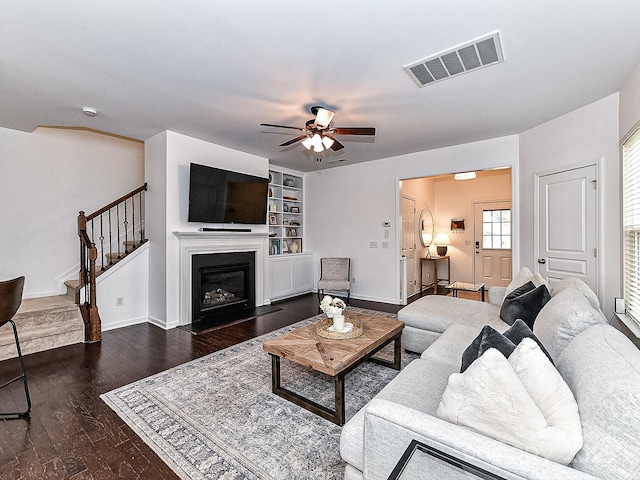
(408, 213)
(492, 236)
(568, 225)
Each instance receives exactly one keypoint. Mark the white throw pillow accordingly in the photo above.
(523, 402)
(523, 276)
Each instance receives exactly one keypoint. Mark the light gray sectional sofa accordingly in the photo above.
(599, 364)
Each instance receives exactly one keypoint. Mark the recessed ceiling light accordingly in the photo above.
(89, 111)
(465, 176)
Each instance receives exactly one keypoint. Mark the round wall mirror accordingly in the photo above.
(426, 228)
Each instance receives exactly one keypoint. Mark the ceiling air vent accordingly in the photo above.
(470, 56)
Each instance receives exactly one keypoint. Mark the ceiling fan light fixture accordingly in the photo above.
(324, 117)
(327, 142)
(313, 143)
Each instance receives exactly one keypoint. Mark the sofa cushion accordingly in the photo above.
(524, 302)
(419, 385)
(563, 317)
(488, 338)
(522, 401)
(523, 276)
(519, 331)
(602, 368)
(436, 313)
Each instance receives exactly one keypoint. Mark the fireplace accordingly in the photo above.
(222, 283)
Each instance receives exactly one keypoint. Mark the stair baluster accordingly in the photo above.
(89, 252)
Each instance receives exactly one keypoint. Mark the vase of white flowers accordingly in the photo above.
(332, 308)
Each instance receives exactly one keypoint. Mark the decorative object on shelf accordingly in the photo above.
(273, 207)
(289, 182)
(457, 225)
(323, 329)
(285, 197)
(273, 220)
(285, 208)
(294, 222)
(274, 249)
(441, 241)
(293, 232)
(285, 221)
(270, 192)
(332, 307)
(294, 247)
(285, 246)
(270, 177)
(295, 210)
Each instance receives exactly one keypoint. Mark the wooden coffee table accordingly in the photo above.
(333, 357)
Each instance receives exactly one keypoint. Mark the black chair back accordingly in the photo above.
(10, 298)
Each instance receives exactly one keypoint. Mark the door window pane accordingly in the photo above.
(496, 229)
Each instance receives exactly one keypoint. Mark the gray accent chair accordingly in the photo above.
(335, 273)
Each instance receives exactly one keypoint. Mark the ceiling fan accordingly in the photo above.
(318, 134)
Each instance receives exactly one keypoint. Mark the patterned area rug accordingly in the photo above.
(216, 418)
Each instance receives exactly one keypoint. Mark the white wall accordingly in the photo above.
(167, 159)
(630, 102)
(129, 280)
(346, 207)
(584, 136)
(47, 177)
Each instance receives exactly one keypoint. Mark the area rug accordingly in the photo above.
(216, 418)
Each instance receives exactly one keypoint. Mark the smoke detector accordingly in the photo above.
(89, 111)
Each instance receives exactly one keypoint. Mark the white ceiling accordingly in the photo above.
(215, 70)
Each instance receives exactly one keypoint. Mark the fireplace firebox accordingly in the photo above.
(222, 283)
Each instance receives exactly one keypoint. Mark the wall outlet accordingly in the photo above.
(373, 244)
(353, 279)
(385, 244)
(119, 301)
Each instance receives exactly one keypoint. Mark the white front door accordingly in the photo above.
(408, 211)
(568, 225)
(492, 237)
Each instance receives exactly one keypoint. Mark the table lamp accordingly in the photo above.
(441, 241)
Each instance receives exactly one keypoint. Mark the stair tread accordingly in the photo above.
(36, 305)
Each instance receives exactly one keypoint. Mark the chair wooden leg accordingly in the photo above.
(22, 377)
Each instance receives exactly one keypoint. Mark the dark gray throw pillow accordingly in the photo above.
(524, 302)
(520, 330)
(488, 338)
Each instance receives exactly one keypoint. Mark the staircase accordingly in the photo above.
(106, 237)
(43, 323)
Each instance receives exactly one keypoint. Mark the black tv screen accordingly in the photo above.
(222, 196)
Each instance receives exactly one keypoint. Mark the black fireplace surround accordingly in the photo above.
(222, 283)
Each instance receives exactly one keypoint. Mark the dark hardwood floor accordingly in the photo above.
(71, 433)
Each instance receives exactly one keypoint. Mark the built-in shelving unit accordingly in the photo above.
(285, 213)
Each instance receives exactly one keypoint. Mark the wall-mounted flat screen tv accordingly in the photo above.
(222, 196)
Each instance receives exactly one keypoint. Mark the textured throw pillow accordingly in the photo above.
(519, 331)
(523, 402)
(566, 315)
(524, 302)
(488, 338)
(580, 286)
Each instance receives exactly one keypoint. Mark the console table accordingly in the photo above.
(433, 281)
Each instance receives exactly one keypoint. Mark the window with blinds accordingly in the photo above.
(631, 223)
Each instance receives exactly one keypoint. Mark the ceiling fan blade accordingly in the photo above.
(291, 142)
(336, 144)
(281, 126)
(353, 131)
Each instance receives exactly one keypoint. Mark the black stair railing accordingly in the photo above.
(106, 236)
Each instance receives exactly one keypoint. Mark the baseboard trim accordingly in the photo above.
(123, 323)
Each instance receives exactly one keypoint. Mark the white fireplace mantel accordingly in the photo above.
(197, 243)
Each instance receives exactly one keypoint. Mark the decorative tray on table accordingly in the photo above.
(352, 329)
